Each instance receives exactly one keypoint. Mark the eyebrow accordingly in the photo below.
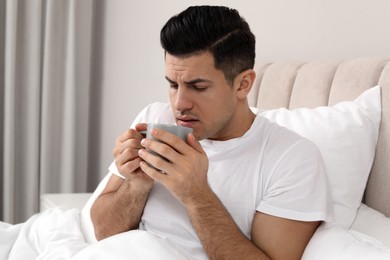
(191, 82)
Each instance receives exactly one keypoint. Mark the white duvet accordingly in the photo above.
(57, 234)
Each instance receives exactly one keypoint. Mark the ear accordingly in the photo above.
(245, 81)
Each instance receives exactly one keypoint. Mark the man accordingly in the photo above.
(240, 187)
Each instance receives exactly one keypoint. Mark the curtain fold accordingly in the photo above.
(65, 95)
(46, 72)
(21, 108)
(2, 60)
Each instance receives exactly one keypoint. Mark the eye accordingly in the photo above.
(199, 87)
(173, 86)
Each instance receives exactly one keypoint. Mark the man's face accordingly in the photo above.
(200, 97)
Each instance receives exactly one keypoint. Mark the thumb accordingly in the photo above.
(141, 127)
(191, 141)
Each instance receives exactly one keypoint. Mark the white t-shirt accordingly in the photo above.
(269, 169)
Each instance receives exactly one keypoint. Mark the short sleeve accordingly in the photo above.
(297, 187)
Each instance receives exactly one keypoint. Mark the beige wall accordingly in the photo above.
(133, 70)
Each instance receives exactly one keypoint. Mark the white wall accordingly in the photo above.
(133, 69)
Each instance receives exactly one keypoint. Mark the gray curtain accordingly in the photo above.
(46, 73)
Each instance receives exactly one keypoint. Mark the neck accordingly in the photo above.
(239, 124)
(245, 121)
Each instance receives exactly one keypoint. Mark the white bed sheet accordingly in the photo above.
(57, 234)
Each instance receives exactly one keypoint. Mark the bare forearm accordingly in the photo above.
(118, 211)
(220, 236)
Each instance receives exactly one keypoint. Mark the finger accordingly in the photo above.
(129, 167)
(152, 172)
(154, 159)
(141, 127)
(126, 155)
(170, 139)
(128, 134)
(132, 143)
(125, 135)
(191, 141)
(169, 154)
(128, 139)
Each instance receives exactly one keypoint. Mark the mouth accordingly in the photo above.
(186, 121)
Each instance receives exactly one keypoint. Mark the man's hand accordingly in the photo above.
(126, 156)
(119, 207)
(184, 171)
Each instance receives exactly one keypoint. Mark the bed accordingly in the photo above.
(342, 106)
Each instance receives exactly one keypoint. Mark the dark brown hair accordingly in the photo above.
(220, 30)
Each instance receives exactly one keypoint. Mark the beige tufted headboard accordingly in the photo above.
(320, 83)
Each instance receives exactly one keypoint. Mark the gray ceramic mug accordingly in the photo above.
(180, 131)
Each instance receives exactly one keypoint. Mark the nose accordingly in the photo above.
(182, 99)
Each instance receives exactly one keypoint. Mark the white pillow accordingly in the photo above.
(346, 135)
(332, 242)
(373, 223)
